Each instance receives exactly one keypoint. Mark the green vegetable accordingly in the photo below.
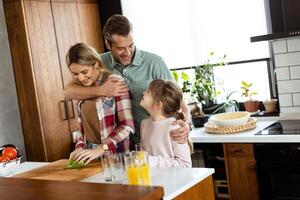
(72, 164)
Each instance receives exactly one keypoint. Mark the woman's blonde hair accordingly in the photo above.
(83, 54)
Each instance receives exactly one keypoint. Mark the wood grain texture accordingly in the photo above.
(90, 26)
(25, 83)
(47, 75)
(32, 189)
(40, 33)
(241, 173)
(203, 190)
(57, 171)
(68, 33)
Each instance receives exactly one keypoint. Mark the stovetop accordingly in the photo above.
(282, 127)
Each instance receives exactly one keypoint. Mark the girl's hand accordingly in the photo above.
(86, 155)
(180, 135)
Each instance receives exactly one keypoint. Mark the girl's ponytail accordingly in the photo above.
(179, 115)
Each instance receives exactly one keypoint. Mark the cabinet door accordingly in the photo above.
(48, 79)
(90, 26)
(25, 83)
(75, 22)
(67, 31)
(241, 171)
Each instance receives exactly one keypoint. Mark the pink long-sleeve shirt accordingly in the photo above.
(162, 150)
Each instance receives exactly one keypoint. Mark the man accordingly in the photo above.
(137, 67)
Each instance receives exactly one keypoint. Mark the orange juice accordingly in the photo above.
(138, 175)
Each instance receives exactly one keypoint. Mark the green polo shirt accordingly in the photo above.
(144, 68)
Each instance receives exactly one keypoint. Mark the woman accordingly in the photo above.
(105, 122)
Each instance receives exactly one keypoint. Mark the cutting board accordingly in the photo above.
(57, 171)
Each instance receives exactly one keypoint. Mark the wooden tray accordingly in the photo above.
(212, 128)
(57, 171)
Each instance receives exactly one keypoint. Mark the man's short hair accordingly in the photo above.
(116, 24)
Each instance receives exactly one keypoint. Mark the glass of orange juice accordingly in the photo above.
(137, 168)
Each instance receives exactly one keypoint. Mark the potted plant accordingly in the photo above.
(198, 117)
(247, 92)
(228, 104)
(270, 105)
(200, 88)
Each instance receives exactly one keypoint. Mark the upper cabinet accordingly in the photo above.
(40, 33)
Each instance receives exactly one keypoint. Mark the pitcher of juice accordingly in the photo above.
(137, 168)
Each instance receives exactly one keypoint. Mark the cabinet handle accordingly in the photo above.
(70, 114)
(238, 150)
(62, 106)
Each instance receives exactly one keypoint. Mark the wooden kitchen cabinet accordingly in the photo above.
(241, 171)
(40, 33)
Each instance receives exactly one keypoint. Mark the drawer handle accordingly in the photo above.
(237, 151)
(70, 108)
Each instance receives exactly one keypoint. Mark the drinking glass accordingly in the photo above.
(137, 168)
(113, 167)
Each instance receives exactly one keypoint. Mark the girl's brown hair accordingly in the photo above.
(83, 54)
(169, 93)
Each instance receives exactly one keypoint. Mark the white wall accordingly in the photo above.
(287, 69)
(10, 122)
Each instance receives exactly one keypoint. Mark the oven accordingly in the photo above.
(278, 171)
(278, 164)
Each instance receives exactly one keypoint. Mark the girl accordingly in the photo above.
(163, 100)
(105, 123)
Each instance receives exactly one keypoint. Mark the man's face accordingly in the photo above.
(122, 48)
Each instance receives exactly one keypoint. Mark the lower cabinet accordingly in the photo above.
(241, 171)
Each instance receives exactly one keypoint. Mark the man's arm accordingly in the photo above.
(111, 88)
(181, 134)
(185, 110)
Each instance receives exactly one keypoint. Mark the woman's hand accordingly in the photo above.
(181, 134)
(86, 155)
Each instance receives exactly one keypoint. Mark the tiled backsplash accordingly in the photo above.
(287, 70)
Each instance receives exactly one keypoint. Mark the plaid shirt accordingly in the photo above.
(115, 122)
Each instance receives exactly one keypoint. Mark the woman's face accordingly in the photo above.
(86, 75)
(147, 100)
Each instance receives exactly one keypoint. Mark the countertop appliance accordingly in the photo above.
(282, 127)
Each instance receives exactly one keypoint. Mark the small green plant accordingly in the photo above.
(247, 90)
(201, 87)
(227, 104)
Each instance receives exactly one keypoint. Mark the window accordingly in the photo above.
(185, 32)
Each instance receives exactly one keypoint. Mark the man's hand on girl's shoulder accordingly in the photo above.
(181, 134)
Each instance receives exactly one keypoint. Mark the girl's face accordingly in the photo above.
(147, 100)
(86, 75)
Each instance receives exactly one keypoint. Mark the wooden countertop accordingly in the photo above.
(175, 181)
(33, 189)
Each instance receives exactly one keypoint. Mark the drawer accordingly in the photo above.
(239, 150)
